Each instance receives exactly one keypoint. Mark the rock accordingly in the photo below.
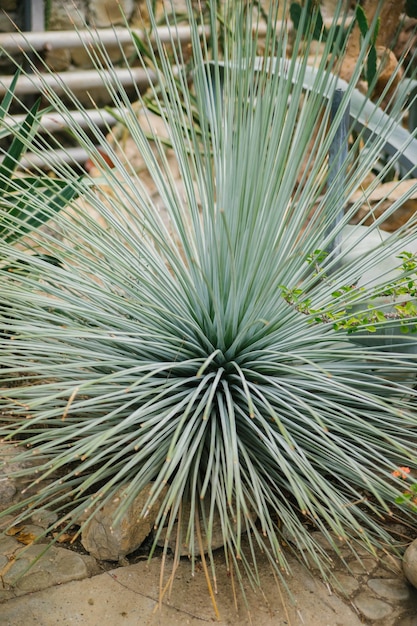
(364, 566)
(392, 565)
(372, 608)
(332, 542)
(63, 16)
(346, 584)
(377, 202)
(7, 490)
(55, 567)
(9, 5)
(30, 533)
(217, 537)
(110, 543)
(58, 60)
(390, 588)
(44, 518)
(8, 545)
(12, 479)
(410, 563)
(105, 13)
(411, 620)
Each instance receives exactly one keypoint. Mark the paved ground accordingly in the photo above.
(68, 586)
(375, 593)
(128, 596)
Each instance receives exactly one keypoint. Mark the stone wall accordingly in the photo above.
(64, 14)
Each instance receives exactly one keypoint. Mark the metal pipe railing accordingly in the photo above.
(33, 15)
(57, 40)
(56, 122)
(338, 154)
(46, 159)
(80, 80)
(83, 80)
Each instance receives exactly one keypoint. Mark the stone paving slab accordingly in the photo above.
(370, 591)
(27, 568)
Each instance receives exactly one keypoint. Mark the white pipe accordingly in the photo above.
(55, 122)
(79, 80)
(56, 40)
(38, 161)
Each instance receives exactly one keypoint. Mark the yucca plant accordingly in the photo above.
(163, 350)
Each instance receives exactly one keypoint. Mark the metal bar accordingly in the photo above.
(33, 20)
(33, 15)
(49, 158)
(366, 116)
(338, 153)
(83, 80)
(56, 40)
(56, 122)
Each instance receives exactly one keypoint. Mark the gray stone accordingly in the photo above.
(8, 545)
(410, 563)
(7, 490)
(6, 21)
(80, 56)
(346, 584)
(407, 621)
(392, 566)
(128, 596)
(9, 5)
(364, 566)
(20, 536)
(361, 549)
(3, 562)
(216, 541)
(105, 13)
(331, 543)
(110, 543)
(32, 532)
(56, 566)
(44, 518)
(372, 608)
(390, 588)
(66, 16)
(58, 60)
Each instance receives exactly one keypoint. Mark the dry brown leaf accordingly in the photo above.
(15, 530)
(26, 538)
(65, 538)
(11, 561)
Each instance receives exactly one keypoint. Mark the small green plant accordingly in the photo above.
(342, 311)
(409, 496)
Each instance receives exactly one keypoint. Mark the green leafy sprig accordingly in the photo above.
(347, 298)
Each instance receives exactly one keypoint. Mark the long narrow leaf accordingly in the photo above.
(18, 146)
